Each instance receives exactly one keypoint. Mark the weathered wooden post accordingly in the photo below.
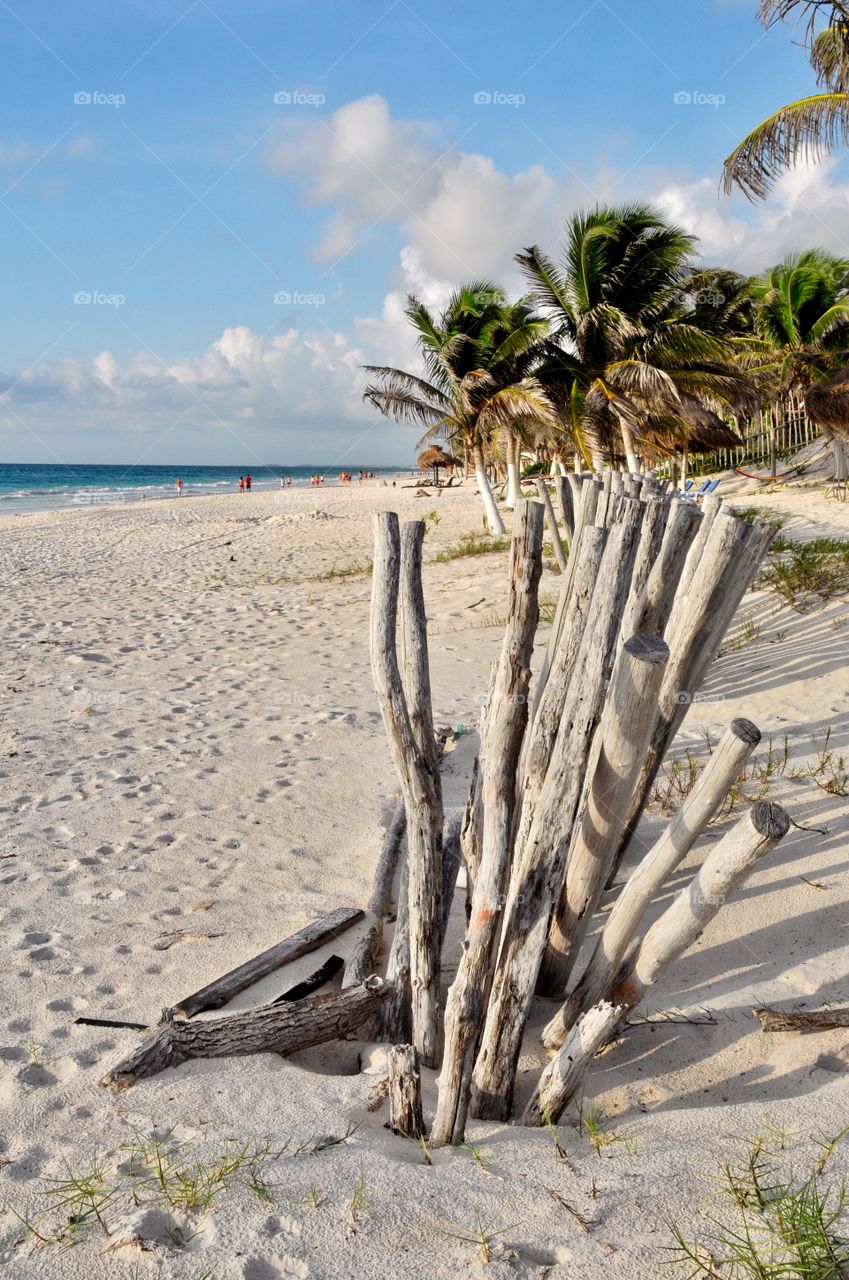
(405, 1092)
(727, 865)
(624, 734)
(559, 553)
(539, 864)
(503, 730)
(703, 803)
(407, 717)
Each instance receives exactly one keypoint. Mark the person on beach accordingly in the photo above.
(241, 484)
(248, 482)
(179, 487)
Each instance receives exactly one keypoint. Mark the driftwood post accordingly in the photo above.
(539, 864)
(551, 521)
(503, 731)
(727, 865)
(702, 804)
(624, 735)
(405, 707)
(405, 1092)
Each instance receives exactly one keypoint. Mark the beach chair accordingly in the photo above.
(706, 487)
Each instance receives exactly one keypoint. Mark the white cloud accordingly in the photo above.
(461, 217)
(809, 207)
(465, 216)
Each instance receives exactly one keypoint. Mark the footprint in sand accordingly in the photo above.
(260, 1269)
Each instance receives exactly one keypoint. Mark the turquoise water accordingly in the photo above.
(28, 487)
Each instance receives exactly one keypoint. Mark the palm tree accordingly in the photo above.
(479, 385)
(811, 127)
(800, 332)
(628, 349)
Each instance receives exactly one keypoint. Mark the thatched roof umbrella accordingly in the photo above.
(435, 457)
(697, 427)
(827, 404)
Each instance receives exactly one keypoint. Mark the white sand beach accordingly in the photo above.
(194, 767)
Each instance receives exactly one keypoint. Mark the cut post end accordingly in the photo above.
(770, 820)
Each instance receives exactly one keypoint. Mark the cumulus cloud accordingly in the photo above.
(466, 216)
(299, 377)
(460, 216)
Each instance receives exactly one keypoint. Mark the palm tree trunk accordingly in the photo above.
(514, 489)
(493, 518)
(630, 452)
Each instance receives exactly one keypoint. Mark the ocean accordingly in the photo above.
(30, 487)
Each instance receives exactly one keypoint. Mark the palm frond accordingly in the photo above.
(807, 129)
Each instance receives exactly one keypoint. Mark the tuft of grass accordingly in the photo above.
(595, 1127)
(831, 771)
(157, 1168)
(342, 572)
(767, 514)
(471, 544)
(483, 1234)
(480, 1157)
(809, 572)
(316, 1197)
(784, 1228)
(679, 774)
(359, 1206)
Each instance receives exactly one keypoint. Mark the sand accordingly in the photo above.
(194, 767)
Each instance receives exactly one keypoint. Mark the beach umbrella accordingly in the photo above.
(827, 404)
(434, 457)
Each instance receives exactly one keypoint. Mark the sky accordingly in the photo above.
(212, 212)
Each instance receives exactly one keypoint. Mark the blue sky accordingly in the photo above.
(244, 256)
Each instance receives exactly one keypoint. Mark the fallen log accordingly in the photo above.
(275, 1028)
(323, 974)
(802, 1020)
(219, 992)
(405, 1092)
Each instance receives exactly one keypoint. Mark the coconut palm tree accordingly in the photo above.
(627, 342)
(800, 332)
(813, 126)
(478, 385)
